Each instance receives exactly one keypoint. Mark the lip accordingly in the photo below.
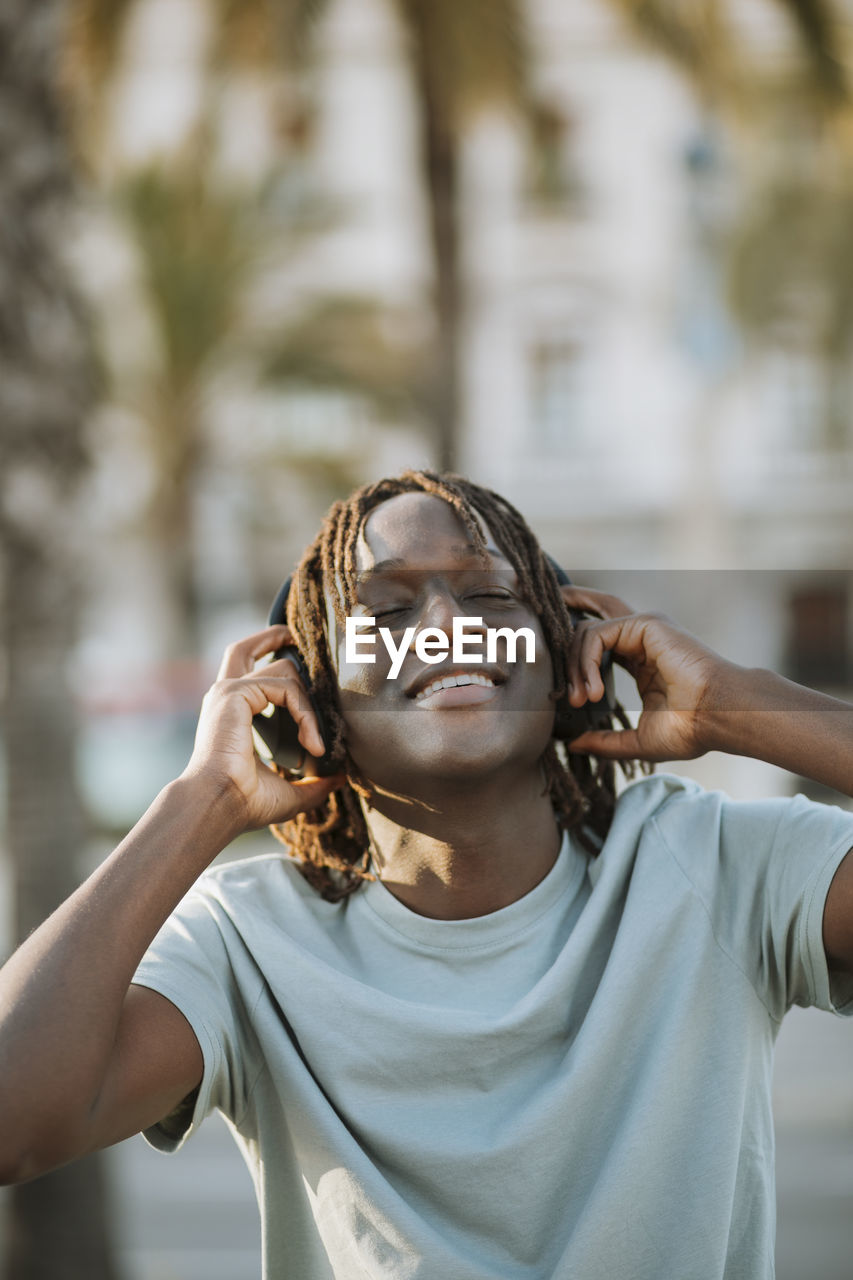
(441, 672)
(463, 695)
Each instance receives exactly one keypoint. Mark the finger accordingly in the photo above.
(599, 603)
(633, 641)
(239, 658)
(585, 655)
(288, 692)
(281, 666)
(301, 794)
(590, 652)
(308, 726)
(577, 690)
(311, 741)
(314, 792)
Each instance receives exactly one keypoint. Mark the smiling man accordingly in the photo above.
(485, 1019)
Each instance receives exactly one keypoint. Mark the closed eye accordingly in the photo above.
(391, 612)
(493, 594)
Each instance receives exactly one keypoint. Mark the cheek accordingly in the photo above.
(541, 670)
(362, 677)
(359, 683)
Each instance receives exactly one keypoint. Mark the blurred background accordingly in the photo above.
(598, 255)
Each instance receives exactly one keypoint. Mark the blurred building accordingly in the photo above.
(608, 389)
(661, 451)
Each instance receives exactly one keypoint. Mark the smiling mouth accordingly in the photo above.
(457, 690)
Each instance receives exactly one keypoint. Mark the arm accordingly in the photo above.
(86, 1058)
(695, 701)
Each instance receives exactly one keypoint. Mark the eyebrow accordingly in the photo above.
(458, 552)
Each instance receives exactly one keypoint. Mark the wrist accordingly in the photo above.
(213, 804)
(723, 717)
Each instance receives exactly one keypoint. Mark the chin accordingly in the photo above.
(467, 757)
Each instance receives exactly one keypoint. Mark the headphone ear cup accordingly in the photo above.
(570, 722)
(278, 731)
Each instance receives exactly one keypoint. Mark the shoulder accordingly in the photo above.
(277, 871)
(714, 838)
(244, 895)
(682, 810)
(664, 799)
(261, 883)
(243, 910)
(643, 813)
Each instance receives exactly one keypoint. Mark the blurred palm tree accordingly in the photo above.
(463, 57)
(785, 255)
(198, 243)
(790, 284)
(46, 390)
(706, 39)
(466, 56)
(202, 245)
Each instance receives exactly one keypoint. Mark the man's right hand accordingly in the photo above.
(224, 754)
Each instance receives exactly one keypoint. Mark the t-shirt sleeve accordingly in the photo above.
(194, 961)
(763, 870)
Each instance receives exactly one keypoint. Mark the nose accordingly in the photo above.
(440, 607)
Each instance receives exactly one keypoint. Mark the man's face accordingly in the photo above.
(417, 568)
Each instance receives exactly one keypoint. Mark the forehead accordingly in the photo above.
(419, 530)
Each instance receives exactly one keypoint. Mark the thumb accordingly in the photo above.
(313, 792)
(298, 795)
(613, 744)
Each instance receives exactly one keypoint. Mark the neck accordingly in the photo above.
(471, 852)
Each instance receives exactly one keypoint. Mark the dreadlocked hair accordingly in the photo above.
(332, 843)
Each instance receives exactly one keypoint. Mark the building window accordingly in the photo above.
(556, 395)
(553, 181)
(796, 397)
(819, 636)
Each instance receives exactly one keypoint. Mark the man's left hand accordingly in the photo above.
(673, 672)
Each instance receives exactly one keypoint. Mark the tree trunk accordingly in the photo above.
(170, 525)
(440, 161)
(57, 1226)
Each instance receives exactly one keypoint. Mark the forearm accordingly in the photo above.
(752, 712)
(61, 993)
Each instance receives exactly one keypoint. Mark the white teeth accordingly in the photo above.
(449, 682)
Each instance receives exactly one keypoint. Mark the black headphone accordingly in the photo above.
(278, 730)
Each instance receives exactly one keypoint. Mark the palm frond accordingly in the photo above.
(691, 33)
(790, 265)
(197, 245)
(265, 33)
(94, 34)
(348, 344)
(819, 27)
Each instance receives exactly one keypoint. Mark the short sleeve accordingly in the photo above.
(195, 961)
(762, 870)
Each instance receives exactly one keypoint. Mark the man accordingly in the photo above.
(488, 1021)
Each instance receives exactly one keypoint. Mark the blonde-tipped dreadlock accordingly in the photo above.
(332, 843)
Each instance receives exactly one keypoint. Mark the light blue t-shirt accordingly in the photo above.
(576, 1087)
